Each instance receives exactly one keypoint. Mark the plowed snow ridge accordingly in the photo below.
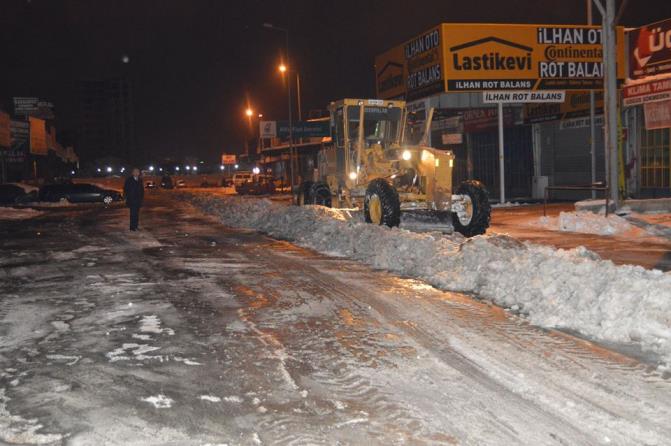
(571, 289)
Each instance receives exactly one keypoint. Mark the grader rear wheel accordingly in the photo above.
(382, 205)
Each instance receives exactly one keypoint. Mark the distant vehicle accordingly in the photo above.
(78, 193)
(258, 185)
(150, 184)
(241, 177)
(180, 183)
(12, 193)
(166, 182)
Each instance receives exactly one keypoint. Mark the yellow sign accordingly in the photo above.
(390, 74)
(525, 57)
(480, 57)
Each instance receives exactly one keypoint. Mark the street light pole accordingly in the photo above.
(291, 124)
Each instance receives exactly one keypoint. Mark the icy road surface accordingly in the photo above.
(190, 333)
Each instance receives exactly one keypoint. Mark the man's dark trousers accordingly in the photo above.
(134, 217)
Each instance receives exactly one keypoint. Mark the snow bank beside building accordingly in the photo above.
(586, 222)
(570, 289)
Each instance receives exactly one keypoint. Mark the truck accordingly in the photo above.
(370, 165)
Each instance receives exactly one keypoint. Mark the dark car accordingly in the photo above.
(78, 193)
(15, 194)
(258, 185)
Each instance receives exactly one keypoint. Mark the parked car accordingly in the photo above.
(241, 177)
(13, 193)
(150, 184)
(257, 185)
(180, 183)
(78, 193)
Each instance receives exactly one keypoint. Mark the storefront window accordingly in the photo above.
(655, 166)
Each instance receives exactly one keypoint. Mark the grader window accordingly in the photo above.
(381, 125)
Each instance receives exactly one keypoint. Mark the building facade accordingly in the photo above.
(106, 121)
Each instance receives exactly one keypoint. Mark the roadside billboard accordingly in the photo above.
(5, 131)
(390, 74)
(28, 106)
(650, 50)
(480, 57)
(525, 57)
(38, 136)
(228, 160)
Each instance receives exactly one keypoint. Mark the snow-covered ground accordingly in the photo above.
(7, 213)
(586, 223)
(568, 289)
(190, 333)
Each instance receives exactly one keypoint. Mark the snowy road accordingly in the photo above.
(190, 333)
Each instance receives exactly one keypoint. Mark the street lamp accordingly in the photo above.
(291, 124)
(249, 112)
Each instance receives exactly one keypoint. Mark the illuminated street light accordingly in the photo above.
(109, 169)
(195, 168)
(260, 115)
(282, 68)
(188, 167)
(151, 168)
(221, 167)
(98, 170)
(249, 112)
(236, 166)
(177, 168)
(256, 170)
(122, 170)
(72, 172)
(160, 169)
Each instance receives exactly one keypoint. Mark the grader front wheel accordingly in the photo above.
(382, 205)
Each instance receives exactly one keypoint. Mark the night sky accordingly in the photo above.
(194, 62)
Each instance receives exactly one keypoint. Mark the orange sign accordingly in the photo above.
(484, 57)
(38, 136)
(5, 131)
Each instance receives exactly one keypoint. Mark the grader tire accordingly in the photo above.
(320, 194)
(480, 212)
(303, 193)
(382, 205)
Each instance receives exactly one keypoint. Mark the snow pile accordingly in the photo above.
(18, 213)
(571, 289)
(586, 223)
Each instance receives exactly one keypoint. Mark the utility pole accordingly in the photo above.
(592, 106)
(291, 123)
(607, 10)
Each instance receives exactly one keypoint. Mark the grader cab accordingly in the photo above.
(368, 165)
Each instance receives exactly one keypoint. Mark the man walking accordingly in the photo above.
(134, 193)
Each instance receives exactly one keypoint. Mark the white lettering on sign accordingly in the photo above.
(492, 97)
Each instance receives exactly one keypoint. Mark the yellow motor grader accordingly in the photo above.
(367, 165)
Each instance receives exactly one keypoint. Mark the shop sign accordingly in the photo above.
(657, 115)
(650, 50)
(652, 91)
